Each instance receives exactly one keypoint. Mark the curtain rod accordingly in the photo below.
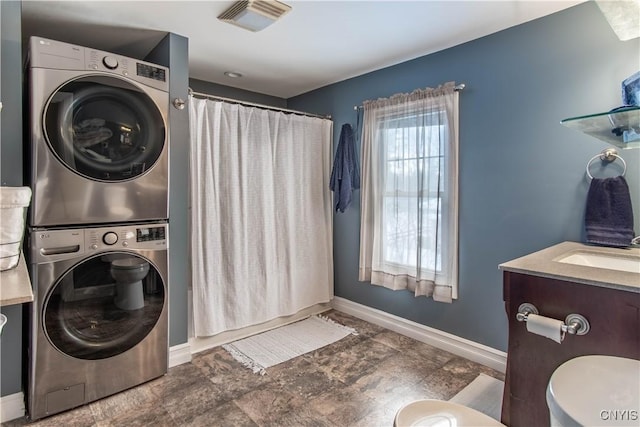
(457, 88)
(253, 104)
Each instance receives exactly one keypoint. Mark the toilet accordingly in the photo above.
(128, 273)
(438, 413)
(595, 390)
(585, 391)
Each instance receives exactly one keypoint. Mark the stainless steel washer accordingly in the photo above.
(98, 136)
(98, 322)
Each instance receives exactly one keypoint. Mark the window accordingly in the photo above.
(409, 215)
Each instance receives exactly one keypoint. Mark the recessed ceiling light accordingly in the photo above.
(232, 74)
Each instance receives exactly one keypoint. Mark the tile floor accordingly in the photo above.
(358, 381)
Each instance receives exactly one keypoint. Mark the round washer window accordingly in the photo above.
(93, 313)
(104, 128)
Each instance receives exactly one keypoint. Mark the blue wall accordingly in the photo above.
(11, 175)
(522, 174)
(173, 52)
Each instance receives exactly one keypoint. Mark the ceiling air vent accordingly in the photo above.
(254, 15)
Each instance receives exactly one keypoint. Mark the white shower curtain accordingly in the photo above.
(261, 218)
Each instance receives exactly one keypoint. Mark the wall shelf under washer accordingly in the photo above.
(620, 127)
(16, 285)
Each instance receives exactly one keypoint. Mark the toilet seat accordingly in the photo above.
(434, 413)
(595, 390)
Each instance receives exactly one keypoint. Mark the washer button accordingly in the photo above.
(110, 62)
(94, 246)
(125, 244)
(110, 238)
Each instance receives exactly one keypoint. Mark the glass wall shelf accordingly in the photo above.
(620, 127)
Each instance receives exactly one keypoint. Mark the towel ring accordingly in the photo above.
(607, 155)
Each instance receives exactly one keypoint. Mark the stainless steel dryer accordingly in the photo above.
(99, 138)
(98, 322)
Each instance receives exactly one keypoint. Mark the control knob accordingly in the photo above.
(110, 62)
(110, 238)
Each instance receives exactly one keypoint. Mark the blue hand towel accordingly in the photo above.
(345, 176)
(609, 215)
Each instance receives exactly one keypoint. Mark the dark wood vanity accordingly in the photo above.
(613, 314)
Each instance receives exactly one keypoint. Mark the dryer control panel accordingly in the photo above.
(46, 53)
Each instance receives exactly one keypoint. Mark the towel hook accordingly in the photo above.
(607, 155)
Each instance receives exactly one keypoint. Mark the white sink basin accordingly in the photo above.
(628, 263)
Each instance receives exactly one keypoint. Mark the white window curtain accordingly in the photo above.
(261, 216)
(409, 206)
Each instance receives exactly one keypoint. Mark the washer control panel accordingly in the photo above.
(53, 245)
(148, 236)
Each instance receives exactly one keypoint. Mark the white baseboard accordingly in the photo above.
(179, 354)
(201, 344)
(11, 407)
(462, 347)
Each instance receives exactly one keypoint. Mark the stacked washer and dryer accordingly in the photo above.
(98, 224)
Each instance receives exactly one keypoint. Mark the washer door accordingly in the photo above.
(104, 128)
(88, 314)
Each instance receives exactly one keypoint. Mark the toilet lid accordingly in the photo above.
(596, 390)
(439, 413)
(128, 263)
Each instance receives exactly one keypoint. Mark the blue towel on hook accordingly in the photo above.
(609, 214)
(345, 176)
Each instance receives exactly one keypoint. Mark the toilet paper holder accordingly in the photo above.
(575, 324)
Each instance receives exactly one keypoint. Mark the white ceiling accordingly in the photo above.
(316, 44)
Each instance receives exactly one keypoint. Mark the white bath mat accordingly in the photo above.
(279, 345)
(483, 394)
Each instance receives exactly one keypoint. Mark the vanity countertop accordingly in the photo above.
(544, 263)
(15, 285)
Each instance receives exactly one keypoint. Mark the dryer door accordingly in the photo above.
(104, 305)
(104, 128)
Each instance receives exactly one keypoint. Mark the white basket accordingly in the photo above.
(14, 202)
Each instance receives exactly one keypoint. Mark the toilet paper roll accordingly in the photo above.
(545, 326)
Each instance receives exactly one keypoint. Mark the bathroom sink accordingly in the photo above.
(628, 263)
